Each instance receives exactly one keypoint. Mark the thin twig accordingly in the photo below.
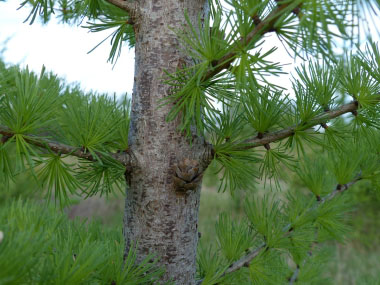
(243, 262)
(247, 259)
(264, 26)
(285, 133)
(294, 276)
(60, 148)
(267, 138)
(338, 190)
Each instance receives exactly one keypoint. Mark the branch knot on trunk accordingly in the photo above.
(187, 175)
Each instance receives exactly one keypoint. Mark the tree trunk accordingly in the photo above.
(160, 218)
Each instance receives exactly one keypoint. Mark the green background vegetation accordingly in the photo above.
(354, 261)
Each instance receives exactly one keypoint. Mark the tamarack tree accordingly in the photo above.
(202, 94)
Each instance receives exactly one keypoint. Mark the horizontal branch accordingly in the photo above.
(285, 133)
(60, 148)
(267, 138)
(247, 259)
(127, 5)
(264, 26)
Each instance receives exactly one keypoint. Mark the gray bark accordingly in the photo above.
(160, 218)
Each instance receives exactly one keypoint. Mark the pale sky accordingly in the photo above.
(63, 50)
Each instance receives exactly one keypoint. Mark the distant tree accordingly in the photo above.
(200, 72)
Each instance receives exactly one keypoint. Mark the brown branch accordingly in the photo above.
(262, 27)
(247, 259)
(266, 139)
(60, 148)
(127, 5)
(285, 133)
(294, 276)
(338, 190)
(243, 262)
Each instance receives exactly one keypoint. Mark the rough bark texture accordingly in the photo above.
(162, 220)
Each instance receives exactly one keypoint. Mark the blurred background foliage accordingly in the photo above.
(355, 261)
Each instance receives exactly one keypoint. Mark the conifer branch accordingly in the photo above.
(127, 5)
(294, 276)
(247, 259)
(266, 139)
(263, 26)
(285, 133)
(341, 188)
(244, 261)
(338, 190)
(60, 148)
